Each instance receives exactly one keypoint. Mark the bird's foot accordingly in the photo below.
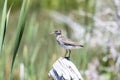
(68, 58)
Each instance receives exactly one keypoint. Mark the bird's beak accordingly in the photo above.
(52, 33)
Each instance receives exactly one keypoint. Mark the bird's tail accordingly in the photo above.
(81, 45)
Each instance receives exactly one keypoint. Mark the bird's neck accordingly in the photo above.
(58, 36)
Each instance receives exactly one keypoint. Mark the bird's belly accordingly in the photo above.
(69, 47)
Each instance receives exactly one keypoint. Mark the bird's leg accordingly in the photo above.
(69, 53)
(66, 52)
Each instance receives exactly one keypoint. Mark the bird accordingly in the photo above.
(66, 43)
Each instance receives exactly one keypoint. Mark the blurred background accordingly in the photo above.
(94, 23)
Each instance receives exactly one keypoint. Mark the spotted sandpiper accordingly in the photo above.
(66, 43)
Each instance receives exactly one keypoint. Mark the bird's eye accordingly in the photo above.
(56, 31)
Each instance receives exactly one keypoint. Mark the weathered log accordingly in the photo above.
(64, 69)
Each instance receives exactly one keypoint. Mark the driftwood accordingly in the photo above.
(64, 69)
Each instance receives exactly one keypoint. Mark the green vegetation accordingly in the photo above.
(27, 50)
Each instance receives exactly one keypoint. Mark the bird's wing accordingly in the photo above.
(70, 42)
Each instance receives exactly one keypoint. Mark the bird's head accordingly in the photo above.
(57, 32)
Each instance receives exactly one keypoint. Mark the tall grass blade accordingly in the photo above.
(3, 25)
(8, 13)
(20, 29)
(4, 21)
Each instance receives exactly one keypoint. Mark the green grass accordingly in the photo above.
(20, 30)
(3, 25)
(2, 36)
